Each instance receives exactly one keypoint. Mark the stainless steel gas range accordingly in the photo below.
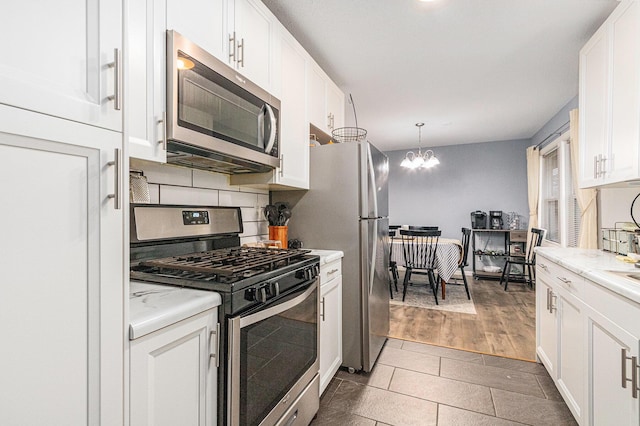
(269, 317)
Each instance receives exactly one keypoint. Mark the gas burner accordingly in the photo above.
(226, 264)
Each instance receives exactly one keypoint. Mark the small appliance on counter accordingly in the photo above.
(478, 220)
(496, 219)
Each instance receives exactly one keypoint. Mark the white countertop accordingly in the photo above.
(152, 306)
(594, 266)
(327, 256)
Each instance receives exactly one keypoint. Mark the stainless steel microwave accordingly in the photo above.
(217, 120)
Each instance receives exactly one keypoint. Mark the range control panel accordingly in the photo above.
(195, 217)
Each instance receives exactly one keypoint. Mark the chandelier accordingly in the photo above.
(420, 160)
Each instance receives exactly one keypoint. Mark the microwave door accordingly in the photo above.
(268, 127)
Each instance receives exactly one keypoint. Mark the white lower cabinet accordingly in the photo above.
(330, 321)
(587, 338)
(173, 374)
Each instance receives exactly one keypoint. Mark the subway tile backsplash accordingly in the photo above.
(178, 185)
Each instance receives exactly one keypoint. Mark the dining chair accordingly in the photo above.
(527, 262)
(419, 252)
(423, 228)
(466, 237)
(393, 265)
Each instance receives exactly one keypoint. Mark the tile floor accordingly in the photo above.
(420, 384)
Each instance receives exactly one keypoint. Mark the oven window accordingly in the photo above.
(274, 354)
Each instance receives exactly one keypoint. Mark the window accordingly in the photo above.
(559, 211)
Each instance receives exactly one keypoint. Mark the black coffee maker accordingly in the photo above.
(478, 220)
(495, 219)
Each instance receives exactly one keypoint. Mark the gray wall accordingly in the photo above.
(484, 176)
(556, 124)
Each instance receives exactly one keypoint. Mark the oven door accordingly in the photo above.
(273, 356)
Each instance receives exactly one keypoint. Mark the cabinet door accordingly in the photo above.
(59, 66)
(609, 402)
(622, 163)
(253, 41)
(546, 327)
(62, 288)
(294, 143)
(316, 101)
(330, 330)
(594, 107)
(204, 22)
(571, 363)
(170, 372)
(146, 86)
(335, 106)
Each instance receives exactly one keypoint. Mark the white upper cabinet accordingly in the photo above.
(325, 102)
(63, 60)
(146, 24)
(203, 22)
(610, 100)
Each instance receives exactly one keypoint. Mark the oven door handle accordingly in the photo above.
(276, 309)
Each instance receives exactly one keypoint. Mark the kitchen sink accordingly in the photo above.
(635, 276)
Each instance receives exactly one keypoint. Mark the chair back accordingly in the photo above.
(423, 228)
(466, 237)
(419, 248)
(392, 234)
(537, 235)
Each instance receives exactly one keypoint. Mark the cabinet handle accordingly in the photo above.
(232, 47)
(322, 310)
(564, 280)
(241, 53)
(216, 345)
(163, 121)
(552, 306)
(281, 165)
(333, 271)
(117, 79)
(634, 374)
(548, 298)
(595, 166)
(603, 170)
(117, 199)
(543, 266)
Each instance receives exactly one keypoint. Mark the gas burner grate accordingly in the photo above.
(234, 262)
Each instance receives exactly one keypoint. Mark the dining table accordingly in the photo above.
(448, 257)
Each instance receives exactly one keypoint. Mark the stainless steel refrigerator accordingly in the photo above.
(346, 208)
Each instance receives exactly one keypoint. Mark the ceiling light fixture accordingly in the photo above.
(420, 160)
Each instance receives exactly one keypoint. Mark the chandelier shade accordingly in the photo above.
(420, 160)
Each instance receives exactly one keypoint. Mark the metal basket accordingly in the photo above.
(349, 134)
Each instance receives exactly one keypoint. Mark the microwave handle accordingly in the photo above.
(267, 110)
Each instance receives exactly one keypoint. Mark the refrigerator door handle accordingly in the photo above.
(372, 258)
(372, 177)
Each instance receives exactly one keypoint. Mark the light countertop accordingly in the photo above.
(327, 256)
(153, 306)
(595, 265)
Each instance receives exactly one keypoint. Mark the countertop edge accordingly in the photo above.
(593, 265)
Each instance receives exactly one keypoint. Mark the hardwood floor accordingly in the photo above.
(504, 325)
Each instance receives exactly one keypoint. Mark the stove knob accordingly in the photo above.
(261, 294)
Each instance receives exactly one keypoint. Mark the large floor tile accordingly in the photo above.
(330, 417)
(549, 388)
(442, 352)
(532, 411)
(515, 364)
(394, 343)
(409, 360)
(379, 377)
(494, 377)
(451, 416)
(329, 391)
(382, 405)
(446, 391)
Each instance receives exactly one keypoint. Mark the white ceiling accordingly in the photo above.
(472, 70)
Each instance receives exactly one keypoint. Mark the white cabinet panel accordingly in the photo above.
(59, 63)
(204, 22)
(173, 377)
(330, 329)
(546, 330)
(146, 85)
(62, 307)
(571, 355)
(252, 26)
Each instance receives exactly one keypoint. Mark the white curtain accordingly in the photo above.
(588, 237)
(533, 184)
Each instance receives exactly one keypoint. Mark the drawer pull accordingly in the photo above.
(548, 297)
(564, 280)
(552, 305)
(333, 271)
(543, 266)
